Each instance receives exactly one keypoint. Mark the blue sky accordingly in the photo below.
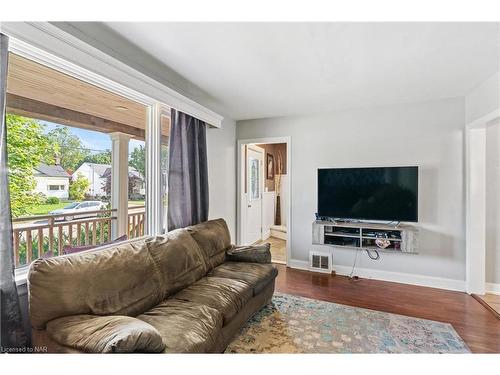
(94, 141)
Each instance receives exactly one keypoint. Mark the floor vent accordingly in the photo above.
(320, 262)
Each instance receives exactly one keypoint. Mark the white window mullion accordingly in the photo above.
(153, 173)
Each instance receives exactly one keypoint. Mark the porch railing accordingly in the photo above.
(45, 234)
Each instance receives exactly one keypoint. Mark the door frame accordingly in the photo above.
(240, 172)
(475, 202)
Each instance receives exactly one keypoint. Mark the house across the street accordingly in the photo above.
(98, 175)
(52, 181)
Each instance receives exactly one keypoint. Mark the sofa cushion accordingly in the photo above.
(105, 334)
(227, 296)
(257, 275)
(121, 280)
(252, 254)
(214, 239)
(185, 327)
(178, 258)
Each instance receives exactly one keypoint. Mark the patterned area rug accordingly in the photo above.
(292, 324)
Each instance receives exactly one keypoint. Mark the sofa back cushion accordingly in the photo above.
(121, 280)
(214, 239)
(179, 260)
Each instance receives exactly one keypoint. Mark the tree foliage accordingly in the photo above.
(78, 187)
(26, 148)
(137, 160)
(99, 158)
(72, 153)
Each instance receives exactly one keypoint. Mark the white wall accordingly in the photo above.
(221, 145)
(493, 204)
(483, 99)
(43, 182)
(268, 211)
(429, 135)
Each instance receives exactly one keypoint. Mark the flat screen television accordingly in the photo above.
(379, 194)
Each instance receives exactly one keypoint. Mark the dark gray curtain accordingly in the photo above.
(12, 334)
(188, 171)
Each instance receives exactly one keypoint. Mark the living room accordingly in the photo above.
(264, 188)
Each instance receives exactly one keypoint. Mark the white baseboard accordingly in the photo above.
(493, 288)
(397, 277)
(298, 264)
(266, 235)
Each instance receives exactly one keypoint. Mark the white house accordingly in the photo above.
(94, 173)
(52, 181)
(97, 174)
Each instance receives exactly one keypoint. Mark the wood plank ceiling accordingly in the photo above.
(34, 90)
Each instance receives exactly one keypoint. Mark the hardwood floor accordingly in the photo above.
(474, 323)
(491, 302)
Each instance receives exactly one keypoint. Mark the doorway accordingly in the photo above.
(264, 195)
(483, 211)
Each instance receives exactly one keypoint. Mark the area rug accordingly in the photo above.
(292, 324)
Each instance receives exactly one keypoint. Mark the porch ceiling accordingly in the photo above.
(40, 92)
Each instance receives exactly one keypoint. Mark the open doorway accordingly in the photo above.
(264, 195)
(491, 298)
(483, 211)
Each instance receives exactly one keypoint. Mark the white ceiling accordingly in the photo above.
(275, 69)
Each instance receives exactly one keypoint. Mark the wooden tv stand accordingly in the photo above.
(362, 236)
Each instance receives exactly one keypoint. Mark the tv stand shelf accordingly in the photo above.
(362, 236)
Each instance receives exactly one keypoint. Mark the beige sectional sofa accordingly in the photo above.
(188, 291)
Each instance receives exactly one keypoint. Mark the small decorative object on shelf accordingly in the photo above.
(382, 243)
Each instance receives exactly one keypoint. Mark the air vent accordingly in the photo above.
(320, 262)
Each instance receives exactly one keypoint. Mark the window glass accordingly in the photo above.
(254, 178)
(136, 188)
(54, 168)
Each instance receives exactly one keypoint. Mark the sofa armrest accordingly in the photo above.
(105, 334)
(253, 254)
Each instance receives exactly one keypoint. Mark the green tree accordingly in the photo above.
(71, 150)
(78, 187)
(137, 160)
(27, 146)
(100, 158)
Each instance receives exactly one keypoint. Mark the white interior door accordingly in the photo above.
(255, 185)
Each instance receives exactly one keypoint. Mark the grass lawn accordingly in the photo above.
(44, 209)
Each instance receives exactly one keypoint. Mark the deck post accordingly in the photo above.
(119, 183)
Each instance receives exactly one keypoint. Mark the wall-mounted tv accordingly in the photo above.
(381, 194)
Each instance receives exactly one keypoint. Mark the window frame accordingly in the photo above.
(152, 139)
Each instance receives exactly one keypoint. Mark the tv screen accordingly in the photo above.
(385, 194)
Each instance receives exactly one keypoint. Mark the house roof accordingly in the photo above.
(98, 168)
(132, 172)
(52, 170)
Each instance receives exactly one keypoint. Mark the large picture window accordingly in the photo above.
(68, 145)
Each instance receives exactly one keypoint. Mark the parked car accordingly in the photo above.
(78, 209)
